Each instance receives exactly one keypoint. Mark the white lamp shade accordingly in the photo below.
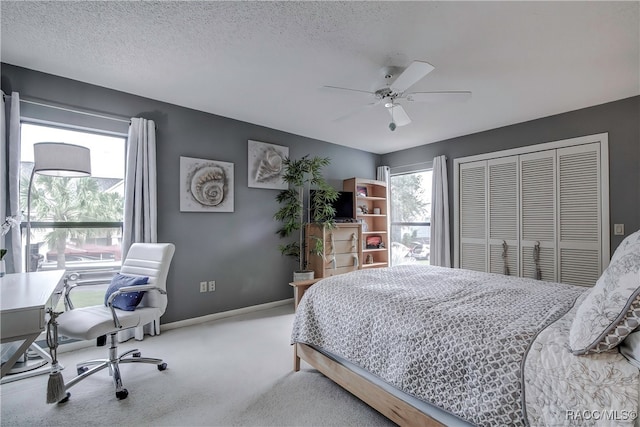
(59, 159)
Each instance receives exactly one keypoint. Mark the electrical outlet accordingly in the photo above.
(212, 285)
(203, 286)
(618, 229)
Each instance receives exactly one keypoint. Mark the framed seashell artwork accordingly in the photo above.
(265, 165)
(205, 185)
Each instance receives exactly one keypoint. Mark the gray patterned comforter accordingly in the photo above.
(562, 389)
(451, 337)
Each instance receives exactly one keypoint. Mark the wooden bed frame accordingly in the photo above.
(397, 410)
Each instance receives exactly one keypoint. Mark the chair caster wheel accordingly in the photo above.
(82, 370)
(65, 399)
(137, 354)
(122, 394)
(162, 367)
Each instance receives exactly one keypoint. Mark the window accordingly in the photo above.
(410, 217)
(76, 223)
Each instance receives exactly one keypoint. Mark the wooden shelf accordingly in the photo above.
(371, 198)
(376, 224)
(375, 265)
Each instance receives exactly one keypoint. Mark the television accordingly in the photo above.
(343, 206)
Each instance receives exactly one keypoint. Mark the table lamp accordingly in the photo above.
(55, 159)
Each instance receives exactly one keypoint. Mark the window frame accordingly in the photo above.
(406, 170)
(68, 224)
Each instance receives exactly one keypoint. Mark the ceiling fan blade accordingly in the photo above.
(398, 115)
(356, 112)
(414, 72)
(455, 96)
(344, 89)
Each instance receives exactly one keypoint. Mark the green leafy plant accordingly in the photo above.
(8, 224)
(295, 212)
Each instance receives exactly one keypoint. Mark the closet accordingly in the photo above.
(539, 211)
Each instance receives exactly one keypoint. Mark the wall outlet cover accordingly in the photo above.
(618, 229)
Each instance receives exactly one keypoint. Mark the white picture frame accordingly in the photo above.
(265, 165)
(206, 185)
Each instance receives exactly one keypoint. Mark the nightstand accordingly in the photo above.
(299, 288)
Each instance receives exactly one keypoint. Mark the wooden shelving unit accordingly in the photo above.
(371, 209)
(342, 249)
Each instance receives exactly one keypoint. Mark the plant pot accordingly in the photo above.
(303, 275)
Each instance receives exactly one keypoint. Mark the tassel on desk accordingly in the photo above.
(56, 390)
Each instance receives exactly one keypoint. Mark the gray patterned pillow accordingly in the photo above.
(611, 311)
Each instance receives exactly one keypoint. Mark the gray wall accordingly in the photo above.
(621, 119)
(239, 250)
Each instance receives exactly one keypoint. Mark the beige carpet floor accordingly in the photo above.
(235, 371)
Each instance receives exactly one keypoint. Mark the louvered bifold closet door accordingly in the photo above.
(473, 237)
(579, 202)
(503, 215)
(537, 214)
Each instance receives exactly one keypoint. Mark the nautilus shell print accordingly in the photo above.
(266, 165)
(270, 165)
(206, 185)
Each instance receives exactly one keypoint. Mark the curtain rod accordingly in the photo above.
(428, 162)
(70, 110)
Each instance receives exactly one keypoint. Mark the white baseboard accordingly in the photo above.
(223, 314)
(76, 345)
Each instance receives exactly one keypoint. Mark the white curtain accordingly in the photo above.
(440, 253)
(383, 173)
(140, 193)
(10, 168)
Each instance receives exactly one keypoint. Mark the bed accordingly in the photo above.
(437, 346)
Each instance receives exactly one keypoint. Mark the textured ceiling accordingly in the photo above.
(265, 62)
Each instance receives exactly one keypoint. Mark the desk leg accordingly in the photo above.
(6, 367)
(31, 368)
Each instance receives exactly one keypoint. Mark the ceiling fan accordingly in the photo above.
(394, 94)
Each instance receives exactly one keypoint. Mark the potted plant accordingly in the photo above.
(295, 211)
(7, 225)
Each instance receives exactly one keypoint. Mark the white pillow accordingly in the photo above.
(632, 239)
(611, 311)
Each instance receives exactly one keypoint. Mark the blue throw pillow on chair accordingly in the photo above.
(130, 300)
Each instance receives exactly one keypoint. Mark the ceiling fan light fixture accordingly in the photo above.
(393, 95)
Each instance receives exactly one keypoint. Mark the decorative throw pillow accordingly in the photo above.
(628, 244)
(611, 311)
(127, 301)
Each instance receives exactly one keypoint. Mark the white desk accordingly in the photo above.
(24, 299)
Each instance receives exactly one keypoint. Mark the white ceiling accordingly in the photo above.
(265, 62)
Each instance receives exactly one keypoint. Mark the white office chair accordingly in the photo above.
(96, 322)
